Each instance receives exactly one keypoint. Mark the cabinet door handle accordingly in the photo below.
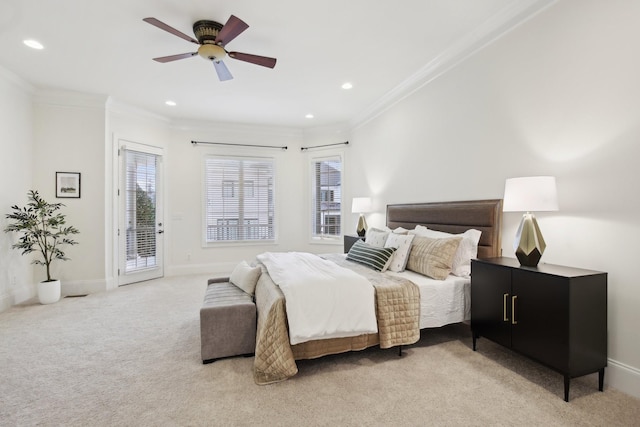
(513, 310)
(504, 307)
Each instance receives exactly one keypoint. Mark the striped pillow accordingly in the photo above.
(376, 258)
(433, 257)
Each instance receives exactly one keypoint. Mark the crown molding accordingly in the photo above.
(68, 98)
(116, 106)
(489, 31)
(16, 80)
(236, 128)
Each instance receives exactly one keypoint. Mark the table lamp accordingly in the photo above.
(361, 205)
(528, 194)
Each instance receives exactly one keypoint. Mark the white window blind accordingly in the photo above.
(326, 200)
(140, 210)
(239, 202)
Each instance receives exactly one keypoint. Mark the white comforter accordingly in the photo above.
(323, 300)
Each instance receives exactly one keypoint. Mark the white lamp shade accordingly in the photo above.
(361, 205)
(530, 194)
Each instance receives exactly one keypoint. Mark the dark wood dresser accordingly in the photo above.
(553, 314)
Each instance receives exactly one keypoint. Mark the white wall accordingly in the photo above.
(558, 95)
(185, 253)
(70, 137)
(133, 125)
(16, 146)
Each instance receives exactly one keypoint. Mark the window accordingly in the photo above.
(326, 181)
(140, 210)
(239, 203)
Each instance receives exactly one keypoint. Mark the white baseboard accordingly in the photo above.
(83, 287)
(6, 301)
(111, 283)
(623, 377)
(16, 296)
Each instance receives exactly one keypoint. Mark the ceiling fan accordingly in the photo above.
(212, 38)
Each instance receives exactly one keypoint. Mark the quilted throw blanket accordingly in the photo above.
(322, 299)
(397, 308)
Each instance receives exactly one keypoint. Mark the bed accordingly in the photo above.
(402, 306)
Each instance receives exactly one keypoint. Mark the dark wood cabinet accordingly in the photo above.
(349, 241)
(553, 314)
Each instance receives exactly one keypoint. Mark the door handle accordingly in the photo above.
(513, 310)
(504, 307)
(160, 231)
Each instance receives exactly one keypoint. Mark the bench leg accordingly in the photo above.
(207, 361)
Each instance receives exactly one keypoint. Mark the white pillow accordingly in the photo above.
(245, 277)
(376, 237)
(402, 244)
(467, 250)
(420, 229)
(400, 230)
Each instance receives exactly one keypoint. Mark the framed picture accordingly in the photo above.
(68, 185)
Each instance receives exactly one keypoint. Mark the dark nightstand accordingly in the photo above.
(552, 314)
(349, 241)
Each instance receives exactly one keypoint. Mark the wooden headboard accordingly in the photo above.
(454, 217)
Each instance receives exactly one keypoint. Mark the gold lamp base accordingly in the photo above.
(529, 244)
(362, 226)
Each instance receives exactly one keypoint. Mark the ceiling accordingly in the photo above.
(381, 47)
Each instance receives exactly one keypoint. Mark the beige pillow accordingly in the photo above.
(433, 257)
(467, 250)
(245, 277)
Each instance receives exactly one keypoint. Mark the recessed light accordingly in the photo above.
(309, 116)
(347, 85)
(171, 103)
(34, 44)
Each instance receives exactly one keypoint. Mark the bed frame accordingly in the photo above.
(450, 217)
(277, 361)
(454, 217)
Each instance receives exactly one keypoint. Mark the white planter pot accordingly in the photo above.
(49, 292)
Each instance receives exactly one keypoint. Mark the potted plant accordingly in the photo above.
(43, 231)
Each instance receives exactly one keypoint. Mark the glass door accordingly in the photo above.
(141, 225)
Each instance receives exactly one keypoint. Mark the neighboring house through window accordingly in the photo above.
(326, 199)
(238, 199)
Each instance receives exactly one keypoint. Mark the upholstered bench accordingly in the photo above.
(227, 321)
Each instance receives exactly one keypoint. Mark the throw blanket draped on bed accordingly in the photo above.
(322, 299)
(397, 303)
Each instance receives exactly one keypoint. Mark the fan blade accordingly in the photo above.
(231, 30)
(254, 59)
(222, 70)
(163, 26)
(175, 57)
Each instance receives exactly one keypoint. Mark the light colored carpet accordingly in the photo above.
(132, 357)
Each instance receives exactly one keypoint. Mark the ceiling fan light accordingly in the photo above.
(211, 51)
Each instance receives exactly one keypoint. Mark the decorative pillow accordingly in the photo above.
(402, 244)
(245, 277)
(376, 237)
(432, 257)
(371, 256)
(467, 250)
